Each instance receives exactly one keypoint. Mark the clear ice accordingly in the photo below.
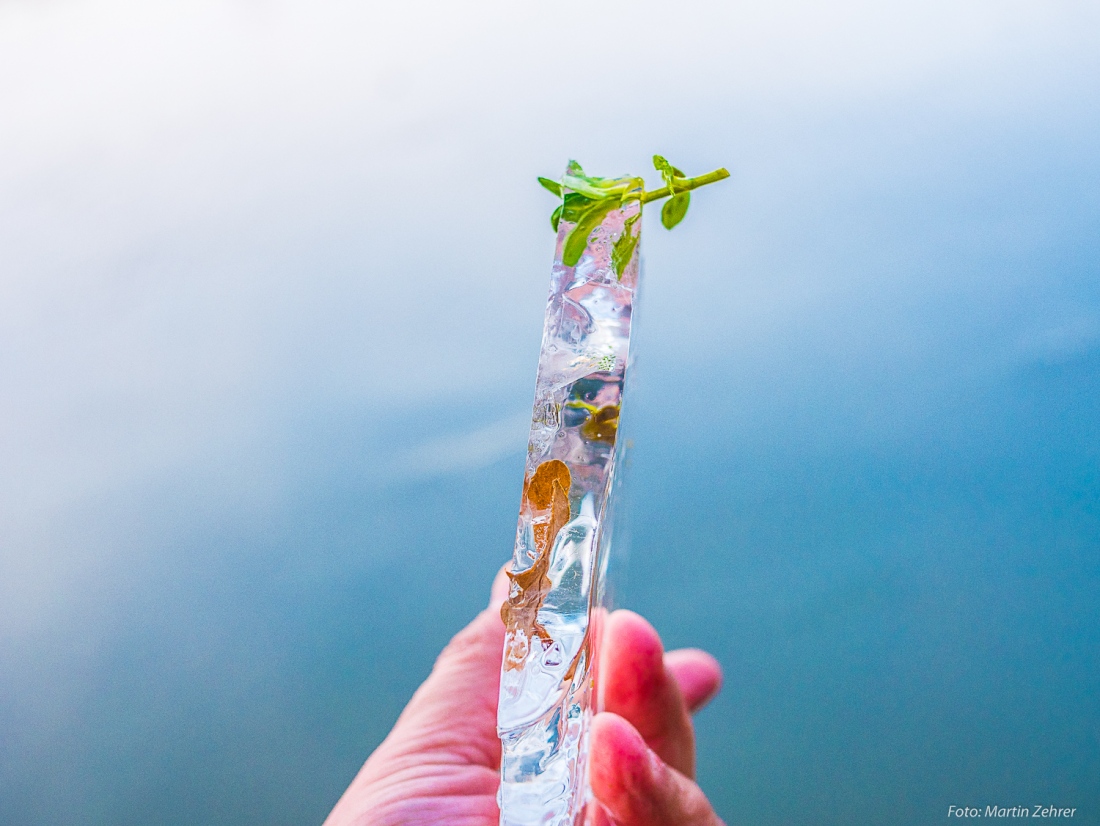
(547, 687)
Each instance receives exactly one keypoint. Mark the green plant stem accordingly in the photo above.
(685, 185)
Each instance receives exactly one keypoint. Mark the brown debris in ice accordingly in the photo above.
(546, 502)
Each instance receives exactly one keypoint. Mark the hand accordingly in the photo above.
(441, 762)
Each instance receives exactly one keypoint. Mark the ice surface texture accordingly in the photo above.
(547, 686)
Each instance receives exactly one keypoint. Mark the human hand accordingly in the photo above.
(441, 762)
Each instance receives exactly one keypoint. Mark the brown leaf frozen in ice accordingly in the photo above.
(546, 502)
(539, 492)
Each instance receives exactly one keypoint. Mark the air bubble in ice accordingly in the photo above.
(553, 656)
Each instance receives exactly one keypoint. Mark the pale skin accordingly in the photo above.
(440, 764)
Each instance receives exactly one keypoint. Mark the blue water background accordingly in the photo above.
(262, 464)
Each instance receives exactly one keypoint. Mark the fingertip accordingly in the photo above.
(632, 662)
(697, 673)
(620, 763)
(626, 629)
(635, 684)
(633, 786)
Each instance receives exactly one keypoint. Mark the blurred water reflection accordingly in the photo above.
(270, 295)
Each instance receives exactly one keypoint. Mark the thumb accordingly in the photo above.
(455, 709)
(450, 723)
(469, 663)
(634, 786)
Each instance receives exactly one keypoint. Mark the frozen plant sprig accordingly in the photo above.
(586, 200)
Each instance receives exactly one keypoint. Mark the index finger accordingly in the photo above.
(635, 685)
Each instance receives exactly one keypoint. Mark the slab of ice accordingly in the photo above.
(547, 681)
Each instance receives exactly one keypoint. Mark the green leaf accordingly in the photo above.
(588, 199)
(623, 250)
(675, 209)
(669, 172)
(574, 206)
(553, 186)
(594, 188)
(577, 240)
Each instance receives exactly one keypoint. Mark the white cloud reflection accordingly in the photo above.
(463, 452)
